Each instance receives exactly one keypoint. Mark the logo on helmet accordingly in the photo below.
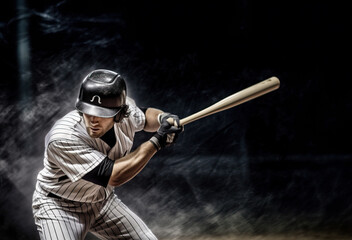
(96, 96)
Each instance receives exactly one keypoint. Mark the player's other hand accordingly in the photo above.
(167, 133)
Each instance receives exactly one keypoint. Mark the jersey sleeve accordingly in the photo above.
(137, 116)
(74, 157)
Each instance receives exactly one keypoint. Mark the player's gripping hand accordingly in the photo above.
(167, 133)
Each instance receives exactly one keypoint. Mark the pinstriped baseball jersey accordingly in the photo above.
(70, 153)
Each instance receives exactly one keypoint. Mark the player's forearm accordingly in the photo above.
(151, 119)
(129, 166)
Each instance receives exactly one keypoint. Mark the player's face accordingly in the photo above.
(97, 126)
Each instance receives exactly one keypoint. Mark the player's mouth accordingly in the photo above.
(94, 129)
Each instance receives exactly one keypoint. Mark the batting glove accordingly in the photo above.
(167, 133)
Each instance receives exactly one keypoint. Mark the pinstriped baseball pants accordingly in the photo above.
(59, 219)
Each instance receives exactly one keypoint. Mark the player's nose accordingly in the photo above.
(94, 119)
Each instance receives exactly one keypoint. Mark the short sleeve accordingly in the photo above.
(137, 117)
(74, 157)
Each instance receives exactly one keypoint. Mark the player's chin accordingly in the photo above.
(95, 134)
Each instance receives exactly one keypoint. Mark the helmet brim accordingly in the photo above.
(97, 111)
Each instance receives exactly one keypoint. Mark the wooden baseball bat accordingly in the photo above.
(235, 99)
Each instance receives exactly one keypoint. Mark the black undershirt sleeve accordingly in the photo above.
(101, 174)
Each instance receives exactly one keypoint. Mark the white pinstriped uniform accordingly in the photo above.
(83, 206)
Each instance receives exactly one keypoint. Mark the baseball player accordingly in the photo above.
(87, 153)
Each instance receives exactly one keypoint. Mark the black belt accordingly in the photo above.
(53, 195)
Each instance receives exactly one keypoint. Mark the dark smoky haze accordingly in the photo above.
(277, 167)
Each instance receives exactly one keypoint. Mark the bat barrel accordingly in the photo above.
(235, 99)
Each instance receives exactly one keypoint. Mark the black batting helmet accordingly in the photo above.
(102, 94)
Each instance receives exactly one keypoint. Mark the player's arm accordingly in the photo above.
(129, 166)
(152, 123)
(117, 172)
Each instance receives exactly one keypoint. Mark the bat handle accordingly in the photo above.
(172, 122)
(182, 121)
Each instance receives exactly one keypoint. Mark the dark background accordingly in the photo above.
(280, 164)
